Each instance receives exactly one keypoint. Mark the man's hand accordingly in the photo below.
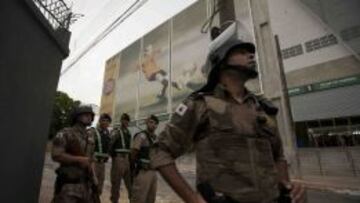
(172, 176)
(297, 192)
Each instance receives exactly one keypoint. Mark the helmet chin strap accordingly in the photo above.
(81, 123)
(247, 72)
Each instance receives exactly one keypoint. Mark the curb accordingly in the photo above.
(349, 190)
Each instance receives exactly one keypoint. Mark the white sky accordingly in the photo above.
(84, 80)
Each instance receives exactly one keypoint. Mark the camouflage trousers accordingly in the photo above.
(74, 193)
(144, 187)
(120, 169)
(100, 175)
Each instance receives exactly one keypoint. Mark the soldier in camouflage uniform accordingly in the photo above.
(145, 180)
(101, 135)
(73, 148)
(238, 149)
(119, 151)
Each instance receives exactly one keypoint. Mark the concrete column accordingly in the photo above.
(273, 77)
(227, 12)
(273, 84)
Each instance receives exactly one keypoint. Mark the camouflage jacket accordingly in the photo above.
(236, 144)
(75, 141)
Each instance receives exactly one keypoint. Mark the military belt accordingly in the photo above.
(101, 157)
(70, 175)
(123, 151)
(144, 164)
(60, 182)
(211, 196)
(145, 161)
(224, 199)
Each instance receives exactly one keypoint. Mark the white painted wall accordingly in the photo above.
(294, 23)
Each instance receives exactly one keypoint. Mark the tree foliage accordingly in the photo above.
(63, 106)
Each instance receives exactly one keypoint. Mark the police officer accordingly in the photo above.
(73, 148)
(101, 135)
(145, 180)
(120, 150)
(238, 149)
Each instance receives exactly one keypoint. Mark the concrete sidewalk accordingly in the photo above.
(318, 186)
(344, 185)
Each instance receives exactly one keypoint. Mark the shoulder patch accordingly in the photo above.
(67, 130)
(63, 132)
(181, 109)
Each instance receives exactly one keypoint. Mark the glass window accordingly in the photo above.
(321, 42)
(312, 124)
(335, 132)
(355, 120)
(341, 121)
(326, 123)
(292, 51)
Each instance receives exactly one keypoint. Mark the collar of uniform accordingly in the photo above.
(221, 92)
(80, 129)
(152, 135)
(102, 130)
(124, 129)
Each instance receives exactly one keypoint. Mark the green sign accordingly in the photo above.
(298, 90)
(331, 84)
(337, 83)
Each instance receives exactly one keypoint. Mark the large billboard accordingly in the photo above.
(127, 82)
(189, 51)
(108, 92)
(161, 69)
(154, 72)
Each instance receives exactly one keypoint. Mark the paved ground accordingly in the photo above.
(320, 190)
(164, 195)
(322, 196)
